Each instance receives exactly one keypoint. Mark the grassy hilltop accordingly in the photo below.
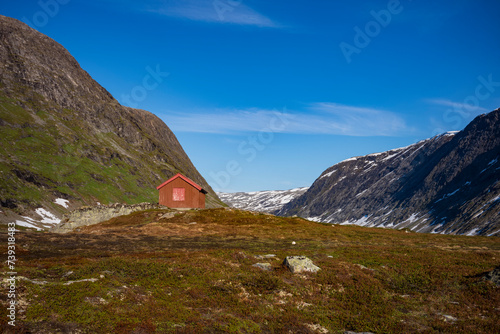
(192, 272)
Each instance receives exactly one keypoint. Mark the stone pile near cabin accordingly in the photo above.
(86, 216)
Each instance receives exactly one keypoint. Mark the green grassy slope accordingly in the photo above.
(45, 155)
(52, 154)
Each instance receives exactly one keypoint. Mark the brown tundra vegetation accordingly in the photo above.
(164, 271)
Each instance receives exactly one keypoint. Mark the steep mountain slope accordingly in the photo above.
(65, 137)
(446, 184)
(265, 201)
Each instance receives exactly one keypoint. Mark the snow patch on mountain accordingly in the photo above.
(448, 195)
(26, 224)
(47, 217)
(328, 174)
(350, 159)
(45, 221)
(62, 202)
(472, 232)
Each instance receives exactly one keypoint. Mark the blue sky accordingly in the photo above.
(265, 95)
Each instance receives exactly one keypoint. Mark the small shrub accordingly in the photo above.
(264, 283)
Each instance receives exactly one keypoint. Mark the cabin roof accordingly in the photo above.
(191, 182)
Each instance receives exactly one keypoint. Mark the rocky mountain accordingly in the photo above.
(447, 184)
(66, 141)
(264, 201)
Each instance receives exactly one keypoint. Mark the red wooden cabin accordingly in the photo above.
(181, 192)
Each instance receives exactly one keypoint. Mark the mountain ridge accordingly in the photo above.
(263, 201)
(414, 187)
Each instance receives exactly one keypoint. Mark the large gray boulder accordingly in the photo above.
(298, 264)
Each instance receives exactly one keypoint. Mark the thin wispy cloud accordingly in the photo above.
(459, 107)
(453, 115)
(224, 120)
(360, 121)
(316, 118)
(215, 11)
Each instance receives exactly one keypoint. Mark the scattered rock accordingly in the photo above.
(363, 267)
(96, 300)
(341, 289)
(263, 266)
(282, 297)
(449, 318)
(38, 282)
(284, 294)
(267, 256)
(298, 264)
(494, 276)
(349, 332)
(302, 305)
(167, 215)
(317, 328)
(82, 280)
(69, 273)
(34, 281)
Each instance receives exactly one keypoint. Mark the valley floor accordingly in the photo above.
(193, 272)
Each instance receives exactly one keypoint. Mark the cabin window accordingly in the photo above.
(179, 194)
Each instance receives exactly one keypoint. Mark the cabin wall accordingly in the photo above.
(193, 198)
(201, 201)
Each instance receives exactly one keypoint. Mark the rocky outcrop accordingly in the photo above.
(446, 184)
(93, 215)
